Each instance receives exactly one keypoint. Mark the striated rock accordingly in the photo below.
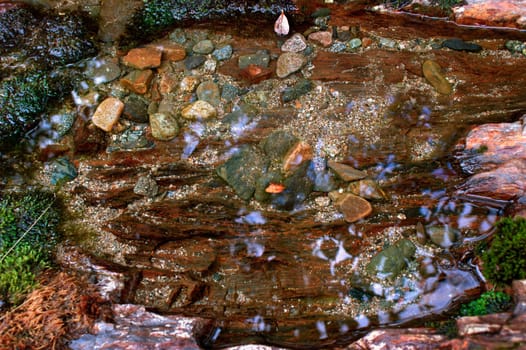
(138, 81)
(143, 57)
(108, 113)
(432, 72)
(288, 63)
(351, 206)
(164, 126)
(321, 38)
(295, 43)
(496, 13)
(297, 155)
(346, 172)
(487, 324)
(199, 110)
(209, 91)
(410, 338)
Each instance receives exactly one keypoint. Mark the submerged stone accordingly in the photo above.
(209, 91)
(323, 38)
(302, 87)
(62, 170)
(288, 63)
(297, 187)
(277, 144)
(346, 172)
(243, 169)
(354, 43)
(444, 235)
(260, 58)
(352, 207)
(367, 188)
(143, 57)
(433, 73)
(108, 113)
(392, 261)
(146, 186)
(138, 81)
(461, 45)
(102, 71)
(194, 61)
(203, 47)
(164, 126)
(298, 154)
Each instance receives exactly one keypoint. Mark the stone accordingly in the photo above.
(146, 186)
(167, 82)
(354, 44)
(189, 84)
(495, 13)
(194, 61)
(143, 57)
(461, 45)
(367, 188)
(102, 71)
(278, 144)
(302, 87)
(297, 187)
(346, 172)
(242, 170)
(163, 126)
(138, 81)
(199, 110)
(136, 108)
(288, 63)
(171, 51)
(203, 47)
(229, 92)
(338, 46)
(223, 53)
(209, 91)
(260, 58)
(210, 65)
(62, 170)
(256, 74)
(352, 207)
(433, 74)
(366, 42)
(131, 139)
(515, 46)
(387, 43)
(295, 43)
(323, 38)
(108, 113)
(268, 178)
(299, 153)
(393, 260)
(442, 235)
(487, 324)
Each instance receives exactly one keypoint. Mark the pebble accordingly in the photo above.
(260, 58)
(194, 61)
(171, 51)
(352, 207)
(143, 57)
(62, 170)
(102, 71)
(203, 47)
(108, 113)
(210, 66)
(295, 43)
(354, 43)
(189, 83)
(223, 53)
(229, 92)
(346, 172)
(432, 72)
(199, 110)
(278, 144)
(164, 126)
(296, 156)
(388, 43)
(515, 46)
(367, 189)
(338, 47)
(323, 38)
(366, 42)
(209, 91)
(137, 81)
(136, 108)
(393, 260)
(288, 63)
(302, 87)
(461, 45)
(146, 186)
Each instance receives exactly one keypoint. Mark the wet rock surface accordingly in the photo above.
(266, 194)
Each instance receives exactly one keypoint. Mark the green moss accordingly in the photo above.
(446, 327)
(28, 235)
(505, 259)
(489, 302)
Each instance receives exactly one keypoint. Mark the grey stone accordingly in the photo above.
(354, 43)
(277, 144)
(337, 46)
(209, 91)
(260, 58)
(229, 92)
(146, 186)
(194, 61)
(461, 45)
(62, 170)
(302, 87)
(392, 261)
(203, 47)
(387, 43)
(298, 187)
(444, 235)
(102, 71)
(223, 53)
(136, 108)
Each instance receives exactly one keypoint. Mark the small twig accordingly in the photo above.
(25, 233)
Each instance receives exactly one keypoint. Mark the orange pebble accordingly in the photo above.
(274, 188)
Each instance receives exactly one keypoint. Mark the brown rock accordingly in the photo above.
(107, 113)
(189, 84)
(298, 154)
(496, 13)
(321, 38)
(351, 206)
(143, 57)
(481, 324)
(366, 42)
(138, 81)
(346, 172)
(256, 74)
(388, 339)
(433, 73)
(167, 83)
(170, 51)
